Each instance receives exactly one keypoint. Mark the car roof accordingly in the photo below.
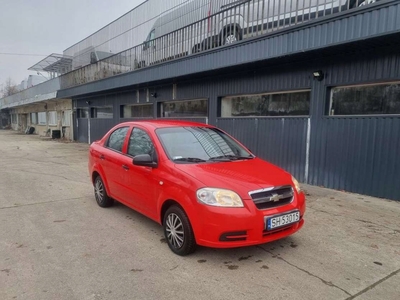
(165, 123)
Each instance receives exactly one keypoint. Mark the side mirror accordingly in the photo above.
(144, 160)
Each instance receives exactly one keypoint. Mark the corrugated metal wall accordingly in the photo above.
(359, 154)
(356, 153)
(82, 133)
(281, 141)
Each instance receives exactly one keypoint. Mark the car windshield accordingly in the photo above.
(200, 144)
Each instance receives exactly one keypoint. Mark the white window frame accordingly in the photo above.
(34, 121)
(66, 118)
(42, 118)
(53, 118)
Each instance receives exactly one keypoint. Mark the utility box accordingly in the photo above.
(56, 134)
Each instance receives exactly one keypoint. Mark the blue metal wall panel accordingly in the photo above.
(245, 130)
(281, 141)
(356, 153)
(82, 131)
(360, 155)
(99, 127)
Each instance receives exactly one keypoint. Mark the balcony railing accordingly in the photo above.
(229, 22)
(42, 91)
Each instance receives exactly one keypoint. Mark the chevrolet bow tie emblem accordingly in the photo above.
(275, 197)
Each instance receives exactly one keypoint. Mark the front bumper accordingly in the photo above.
(219, 227)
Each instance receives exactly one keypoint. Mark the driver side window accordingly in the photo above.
(140, 143)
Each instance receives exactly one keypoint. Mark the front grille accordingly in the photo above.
(272, 198)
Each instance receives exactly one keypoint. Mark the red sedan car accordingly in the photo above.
(199, 183)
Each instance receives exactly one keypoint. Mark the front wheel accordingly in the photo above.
(178, 231)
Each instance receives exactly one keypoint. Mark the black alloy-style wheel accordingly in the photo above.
(231, 36)
(100, 193)
(178, 231)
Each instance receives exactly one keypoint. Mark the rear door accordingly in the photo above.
(141, 184)
(111, 160)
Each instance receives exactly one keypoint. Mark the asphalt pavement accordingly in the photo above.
(56, 243)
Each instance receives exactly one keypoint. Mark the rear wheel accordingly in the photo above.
(100, 193)
(178, 231)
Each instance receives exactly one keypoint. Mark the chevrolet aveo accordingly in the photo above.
(199, 183)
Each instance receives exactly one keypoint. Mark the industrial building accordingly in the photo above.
(314, 90)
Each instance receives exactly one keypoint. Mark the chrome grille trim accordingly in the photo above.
(272, 197)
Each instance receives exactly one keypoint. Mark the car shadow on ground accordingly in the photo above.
(229, 258)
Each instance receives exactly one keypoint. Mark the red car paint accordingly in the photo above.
(147, 189)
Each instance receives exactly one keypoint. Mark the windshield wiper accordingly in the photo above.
(230, 157)
(190, 159)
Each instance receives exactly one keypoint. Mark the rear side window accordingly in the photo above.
(116, 139)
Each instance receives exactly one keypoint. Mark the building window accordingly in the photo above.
(102, 112)
(184, 109)
(14, 119)
(34, 118)
(296, 103)
(42, 118)
(66, 118)
(52, 118)
(377, 99)
(137, 111)
(83, 113)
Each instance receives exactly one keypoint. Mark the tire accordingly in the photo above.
(196, 49)
(178, 231)
(100, 193)
(231, 36)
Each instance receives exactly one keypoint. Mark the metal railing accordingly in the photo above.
(224, 22)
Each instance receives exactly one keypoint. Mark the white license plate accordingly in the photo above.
(282, 220)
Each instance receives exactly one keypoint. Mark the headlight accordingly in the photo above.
(219, 197)
(296, 184)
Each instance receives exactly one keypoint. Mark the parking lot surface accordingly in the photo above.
(56, 243)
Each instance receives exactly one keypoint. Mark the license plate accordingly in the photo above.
(282, 220)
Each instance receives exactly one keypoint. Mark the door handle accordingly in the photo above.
(102, 157)
(125, 167)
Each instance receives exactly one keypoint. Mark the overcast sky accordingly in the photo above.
(49, 26)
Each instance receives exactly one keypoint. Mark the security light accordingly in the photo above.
(318, 75)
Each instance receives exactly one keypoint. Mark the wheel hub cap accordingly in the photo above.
(99, 190)
(174, 228)
(231, 39)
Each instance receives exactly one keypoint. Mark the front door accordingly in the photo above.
(141, 183)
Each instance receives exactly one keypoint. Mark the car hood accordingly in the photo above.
(240, 176)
